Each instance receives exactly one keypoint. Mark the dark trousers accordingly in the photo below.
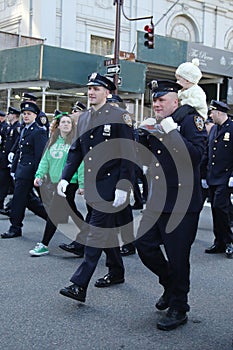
(23, 198)
(60, 207)
(5, 183)
(174, 273)
(220, 206)
(101, 234)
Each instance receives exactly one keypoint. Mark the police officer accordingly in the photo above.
(11, 138)
(175, 139)
(126, 215)
(4, 126)
(103, 132)
(32, 142)
(219, 162)
(41, 118)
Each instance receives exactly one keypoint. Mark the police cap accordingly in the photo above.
(28, 96)
(78, 106)
(12, 110)
(114, 98)
(30, 106)
(56, 113)
(95, 79)
(162, 87)
(219, 106)
(2, 114)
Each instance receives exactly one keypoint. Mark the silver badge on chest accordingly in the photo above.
(107, 130)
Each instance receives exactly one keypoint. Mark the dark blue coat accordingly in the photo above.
(31, 145)
(104, 140)
(4, 127)
(174, 163)
(220, 154)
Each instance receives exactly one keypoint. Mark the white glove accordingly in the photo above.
(12, 175)
(144, 169)
(230, 182)
(61, 187)
(10, 157)
(204, 183)
(120, 198)
(168, 124)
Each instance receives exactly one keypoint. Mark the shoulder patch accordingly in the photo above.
(199, 122)
(43, 120)
(127, 119)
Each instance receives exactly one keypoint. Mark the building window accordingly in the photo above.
(229, 45)
(101, 46)
(182, 28)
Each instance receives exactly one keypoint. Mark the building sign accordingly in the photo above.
(212, 60)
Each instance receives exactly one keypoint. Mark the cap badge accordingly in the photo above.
(93, 76)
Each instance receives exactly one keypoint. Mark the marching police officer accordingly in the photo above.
(41, 118)
(175, 140)
(4, 126)
(11, 138)
(219, 176)
(104, 139)
(32, 142)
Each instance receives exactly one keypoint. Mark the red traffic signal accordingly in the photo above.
(149, 36)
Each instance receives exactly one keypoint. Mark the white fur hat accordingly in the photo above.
(190, 71)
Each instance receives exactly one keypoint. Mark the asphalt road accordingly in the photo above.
(35, 316)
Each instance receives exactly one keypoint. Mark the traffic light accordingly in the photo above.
(149, 36)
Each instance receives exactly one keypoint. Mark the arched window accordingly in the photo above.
(229, 41)
(183, 28)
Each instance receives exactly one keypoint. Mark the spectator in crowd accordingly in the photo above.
(51, 164)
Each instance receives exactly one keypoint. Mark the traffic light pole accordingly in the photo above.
(118, 4)
(119, 7)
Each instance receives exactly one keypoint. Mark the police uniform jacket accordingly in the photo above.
(105, 156)
(174, 170)
(31, 145)
(12, 136)
(4, 127)
(220, 154)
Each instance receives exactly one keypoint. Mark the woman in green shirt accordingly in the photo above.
(51, 165)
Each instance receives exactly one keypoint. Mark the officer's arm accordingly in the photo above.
(40, 141)
(73, 161)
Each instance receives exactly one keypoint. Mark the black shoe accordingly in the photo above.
(127, 251)
(137, 206)
(5, 212)
(229, 250)
(172, 320)
(214, 249)
(71, 248)
(10, 234)
(74, 292)
(163, 302)
(108, 280)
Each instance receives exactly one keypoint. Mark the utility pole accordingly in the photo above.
(118, 4)
(119, 8)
